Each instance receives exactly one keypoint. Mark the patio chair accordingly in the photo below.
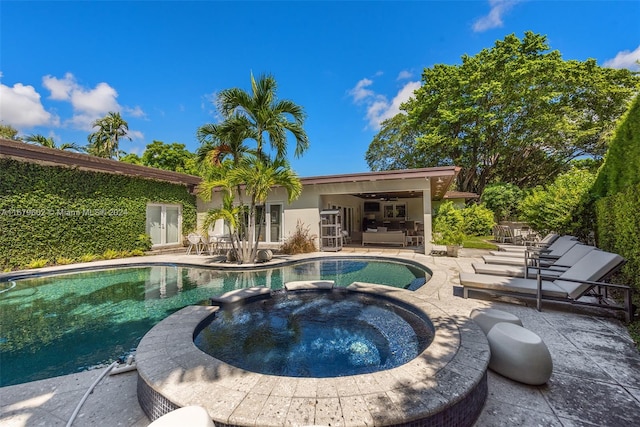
(345, 237)
(195, 241)
(553, 268)
(505, 234)
(581, 284)
(554, 251)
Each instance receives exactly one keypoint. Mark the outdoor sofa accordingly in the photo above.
(378, 237)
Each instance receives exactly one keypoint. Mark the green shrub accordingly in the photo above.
(88, 258)
(300, 242)
(448, 225)
(478, 220)
(37, 263)
(111, 254)
(64, 261)
(557, 207)
(143, 242)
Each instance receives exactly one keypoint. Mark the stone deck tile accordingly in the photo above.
(274, 411)
(302, 411)
(248, 410)
(355, 412)
(328, 412)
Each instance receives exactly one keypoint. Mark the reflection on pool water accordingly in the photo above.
(315, 334)
(56, 325)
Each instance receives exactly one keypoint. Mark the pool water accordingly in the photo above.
(315, 334)
(61, 324)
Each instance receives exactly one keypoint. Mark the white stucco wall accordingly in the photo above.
(306, 209)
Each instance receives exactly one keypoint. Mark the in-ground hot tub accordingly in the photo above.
(317, 334)
(444, 384)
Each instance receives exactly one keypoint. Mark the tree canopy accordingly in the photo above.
(515, 113)
(174, 157)
(8, 132)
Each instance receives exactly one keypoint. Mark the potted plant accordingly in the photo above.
(447, 227)
(452, 239)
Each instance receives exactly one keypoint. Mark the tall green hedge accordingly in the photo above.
(617, 193)
(618, 225)
(47, 212)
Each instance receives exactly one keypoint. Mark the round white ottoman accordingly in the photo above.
(487, 317)
(192, 416)
(519, 354)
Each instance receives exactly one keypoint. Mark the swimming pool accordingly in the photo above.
(61, 324)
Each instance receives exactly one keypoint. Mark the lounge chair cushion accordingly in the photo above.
(594, 266)
(511, 284)
(573, 255)
(498, 269)
(557, 249)
(554, 269)
(503, 260)
(561, 246)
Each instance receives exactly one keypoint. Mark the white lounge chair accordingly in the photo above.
(554, 268)
(580, 284)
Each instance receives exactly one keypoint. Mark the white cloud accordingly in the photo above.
(97, 101)
(135, 112)
(360, 91)
(20, 106)
(382, 110)
(625, 59)
(135, 135)
(494, 18)
(404, 75)
(88, 104)
(60, 88)
(379, 108)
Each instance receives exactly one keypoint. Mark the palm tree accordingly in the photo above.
(104, 142)
(261, 117)
(258, 175)
(223, 140)
(50, 143)
(265, 116)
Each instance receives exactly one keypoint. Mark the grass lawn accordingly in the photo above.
(479, 242)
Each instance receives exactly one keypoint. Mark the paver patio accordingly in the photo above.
(595, 382)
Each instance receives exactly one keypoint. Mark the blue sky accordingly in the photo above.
(349, 64)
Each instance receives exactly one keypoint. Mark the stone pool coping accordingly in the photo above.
(445, 385)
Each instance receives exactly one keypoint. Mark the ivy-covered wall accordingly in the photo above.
(48, 212)
(617, 193)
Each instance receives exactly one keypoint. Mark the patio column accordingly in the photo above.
(426, 209)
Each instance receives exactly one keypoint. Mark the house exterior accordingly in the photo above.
(401, 200)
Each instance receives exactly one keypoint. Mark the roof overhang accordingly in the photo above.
(53, 157)
(440, 178)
